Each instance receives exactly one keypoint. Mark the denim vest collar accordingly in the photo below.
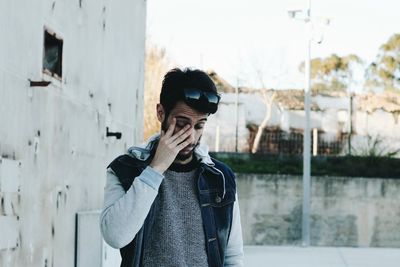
(145, 151)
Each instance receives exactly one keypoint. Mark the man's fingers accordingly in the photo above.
(171, 128)
(178, 134)
(184, 144)
(186, 132)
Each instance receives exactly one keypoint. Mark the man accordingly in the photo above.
(168, 203)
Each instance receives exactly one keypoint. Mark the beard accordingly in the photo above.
(186, 155)
(164, 125)
(182, 157)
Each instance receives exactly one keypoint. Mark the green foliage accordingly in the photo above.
(392, 44)
(351, 166)
(384, 72)
(335, 73)
(331, 74)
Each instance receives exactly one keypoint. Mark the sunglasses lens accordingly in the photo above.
(192, 94)
(212, 97)
(209, 100)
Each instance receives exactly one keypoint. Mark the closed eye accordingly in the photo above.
(181, 124)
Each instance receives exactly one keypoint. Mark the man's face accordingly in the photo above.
(186, 115)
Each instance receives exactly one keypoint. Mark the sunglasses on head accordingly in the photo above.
(196, 96)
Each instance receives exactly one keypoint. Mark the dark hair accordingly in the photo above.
(176, 80)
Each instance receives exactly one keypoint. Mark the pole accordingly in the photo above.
(307, 137)
(217, 139)
(237, 117)
(350, 122)
(315, 142)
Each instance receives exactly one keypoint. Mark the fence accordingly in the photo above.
(276, 141)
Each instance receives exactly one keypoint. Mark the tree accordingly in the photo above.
(156, 65)
(333, 73)
(268, 101)
(384, 72)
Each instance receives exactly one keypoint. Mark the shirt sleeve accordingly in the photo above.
(234, 251)
(123, 212)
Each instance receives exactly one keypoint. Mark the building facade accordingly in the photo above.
(71, 93)
(361, 124)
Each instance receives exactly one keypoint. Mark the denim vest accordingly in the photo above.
(216, 188)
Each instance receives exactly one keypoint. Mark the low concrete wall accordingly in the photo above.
(345, 211)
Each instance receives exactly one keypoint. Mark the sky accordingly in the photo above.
(254, 43)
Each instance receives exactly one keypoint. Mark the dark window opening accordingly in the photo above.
(52, 56)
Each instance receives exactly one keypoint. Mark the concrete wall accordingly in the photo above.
(53, 143)
(345, 211)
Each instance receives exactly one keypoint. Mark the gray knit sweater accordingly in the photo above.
(177, 237)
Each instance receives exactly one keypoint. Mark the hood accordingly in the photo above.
(143, 152)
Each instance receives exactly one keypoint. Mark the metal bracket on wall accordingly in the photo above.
(118, 135)
(39, 83)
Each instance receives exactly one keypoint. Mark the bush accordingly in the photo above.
(352, 166)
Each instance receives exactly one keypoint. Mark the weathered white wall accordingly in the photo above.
(56, 134)
(380, 126)
(345, 211)
(332, 119)
(223, 123)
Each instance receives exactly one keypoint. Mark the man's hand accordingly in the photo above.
(169, 146)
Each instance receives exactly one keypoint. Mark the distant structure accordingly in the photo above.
(71, 90)
(361, 124)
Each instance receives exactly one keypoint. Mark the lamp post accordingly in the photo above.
(305, 16)
(237, 116)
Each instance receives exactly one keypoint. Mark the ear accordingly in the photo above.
(160, 113)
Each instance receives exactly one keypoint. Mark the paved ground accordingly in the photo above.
(266, 256)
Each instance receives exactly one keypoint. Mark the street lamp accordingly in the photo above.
(305, 16)
(299, 14)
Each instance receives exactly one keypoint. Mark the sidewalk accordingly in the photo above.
(269, 256)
